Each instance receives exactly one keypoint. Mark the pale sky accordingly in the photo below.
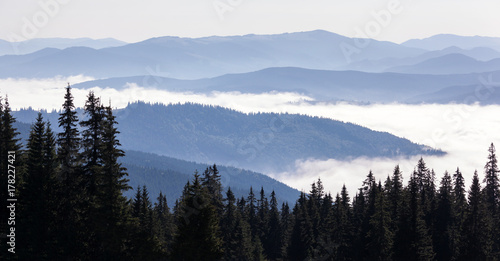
(134, 20)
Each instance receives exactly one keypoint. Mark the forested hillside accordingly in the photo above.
(263, 142)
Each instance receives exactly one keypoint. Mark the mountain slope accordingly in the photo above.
(169, 175)
(261, 142)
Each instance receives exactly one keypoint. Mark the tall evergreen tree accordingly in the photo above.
(144, 245)
(380, 236)
(198, 227)
(459, 210)
(301, 240)
(212, 181)
(395, 195)
(273, 242)
(163, 224)
(343, 229)
(37, 212)
(443, 220)
(286, 229)
(110, 203)
(492, 197)
(71, 191)
(235, 232)
(477, 243)
(8, 143)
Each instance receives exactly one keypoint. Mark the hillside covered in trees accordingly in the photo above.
(262, 142)
(70, 205)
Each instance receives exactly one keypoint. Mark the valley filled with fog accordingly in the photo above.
(464, 132)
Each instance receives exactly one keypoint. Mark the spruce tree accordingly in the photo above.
(235, 232)
(459, 210)
(286, 219)
(380, 236)
(163, 224)
(212, 181)
(395, 196)
(9, 147)
(144, 245)
(273, 238)
(477, 242)
(110, 203)
(492, 197)
(301, 239)
(263, 220)
(443, 220)
(71, 190)
(37, 212)
(198, 227)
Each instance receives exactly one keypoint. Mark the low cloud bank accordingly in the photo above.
(463, 131)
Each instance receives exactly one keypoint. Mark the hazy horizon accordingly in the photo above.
(398, 20)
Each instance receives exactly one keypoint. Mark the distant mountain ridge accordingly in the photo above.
(319, 84)
(453, 63)
(441, 41)
(37, 44)
(191, 58)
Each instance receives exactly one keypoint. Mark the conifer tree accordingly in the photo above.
(212, 181)
(395, 196)
(37, 212)
(111, 205)
(443, 220)
(235, 232)
(301, 239)
(163, 224)
(492, 197)
(71, 191)
(198, 227)
(144, 245)
(273, 238)
(263, 220)
(477, 242)
(380, 236)
(8, 143)
(286, 229)
(459, 210)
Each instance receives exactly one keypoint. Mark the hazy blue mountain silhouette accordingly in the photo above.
(319, 84)
(37, 44)
(441, 41)
(449, 64)
(484, 94)
(381, 65)
(191, 58)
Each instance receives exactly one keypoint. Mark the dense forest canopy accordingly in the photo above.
(70, 205)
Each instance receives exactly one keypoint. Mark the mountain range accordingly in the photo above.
(321, 85)
(194, 58)
(37, 44)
